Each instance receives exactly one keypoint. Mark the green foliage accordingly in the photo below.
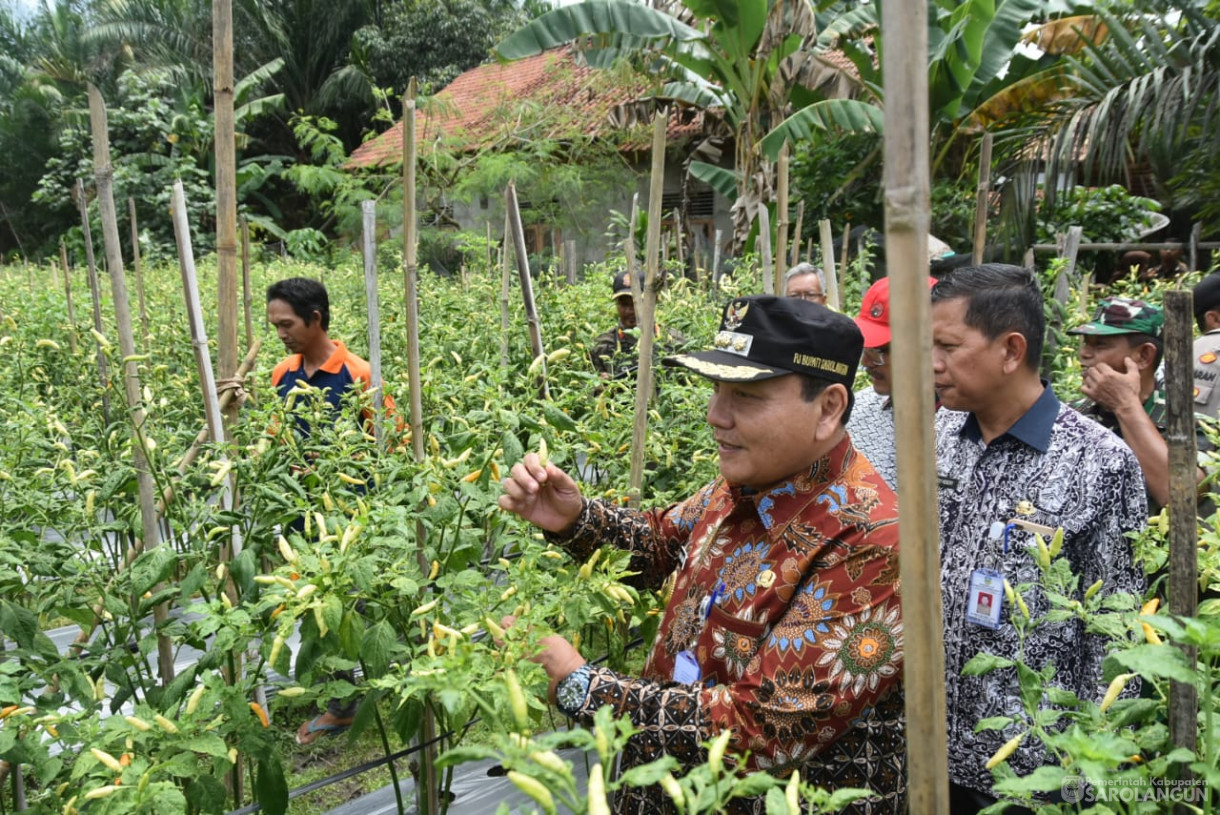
(1105, 214)
(433, 41)
(152, 145)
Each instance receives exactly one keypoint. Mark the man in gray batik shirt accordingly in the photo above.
(1005, 441)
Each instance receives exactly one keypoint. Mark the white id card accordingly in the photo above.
(686, 668)
(986, 598)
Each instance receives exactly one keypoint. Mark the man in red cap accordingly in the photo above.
(872, 421)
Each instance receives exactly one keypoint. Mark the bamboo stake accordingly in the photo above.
(1196, 232)
(167, 495)
(199, 337)
(95, 294)
(980, 205)
(527, 287)
(247, 297)
(505, 283)
(226, 192)
(629, 246)
(764, 242)
(678, 242)
(828, 264)
(426, 783)
(906, 188)
(368, 211)
(646, 307)
(719, 236)
(1183, 526)
(135, 265)
(569, 254)
(149, 531)
(845, 246)
(796, 235)
(1069, 244)
(781, 220)
(63, 261)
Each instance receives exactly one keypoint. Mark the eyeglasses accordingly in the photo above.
(874, 357)
(816, 297)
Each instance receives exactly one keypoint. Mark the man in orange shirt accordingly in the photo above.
(299, 309)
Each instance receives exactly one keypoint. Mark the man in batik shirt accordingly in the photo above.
(1007, 448)
(784, 624)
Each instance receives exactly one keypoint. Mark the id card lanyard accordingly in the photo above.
(985, 592)
(686, 666)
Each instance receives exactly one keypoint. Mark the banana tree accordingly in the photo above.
(740, 58)
(972, 61)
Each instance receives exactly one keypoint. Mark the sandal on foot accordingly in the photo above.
(313, 727)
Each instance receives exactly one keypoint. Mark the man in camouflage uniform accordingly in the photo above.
(614, 353)
(1120, 351)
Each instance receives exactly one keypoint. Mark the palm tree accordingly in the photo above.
(1146, 93)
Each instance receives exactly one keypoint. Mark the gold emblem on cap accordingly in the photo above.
(1026, 507)
(715, 370)
(734, 314)
(766, 578)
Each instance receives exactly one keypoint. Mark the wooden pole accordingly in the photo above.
(203, 361)
(828, 264)
(63, 261)
(719, 236)
(427, 789)
(226, 192)
(149, 531)
(410, 271)
(982, 193)
(194, 313)
(906, 186)
(247, 303)
(368, 211)
(1057, 248)
(1196, 232)
(781, 220)
(764, 243)
(1183, 526)
(1069, 244)
(796, 234)
(844, 247)
(678, 236)
(527, 285)
(505, 285)
(646, 307)
(167, 495)
(569, 254)
(135, 266)
(95, 293)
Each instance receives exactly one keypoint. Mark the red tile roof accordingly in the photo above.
(548, 94)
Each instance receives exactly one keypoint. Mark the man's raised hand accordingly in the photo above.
(542, 494)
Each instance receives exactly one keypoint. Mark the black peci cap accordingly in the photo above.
(762, 337)
(622, 285)
(1207, 295)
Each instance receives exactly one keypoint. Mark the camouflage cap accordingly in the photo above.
(1121, 315)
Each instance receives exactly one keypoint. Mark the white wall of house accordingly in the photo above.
(710, 212)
